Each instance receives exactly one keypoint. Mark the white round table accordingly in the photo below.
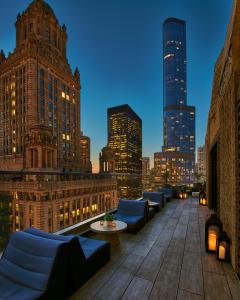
(108, 232)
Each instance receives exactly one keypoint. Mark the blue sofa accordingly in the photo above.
(33, 267)
(155, 197)
(168, 192)
(85, 256)
(132, 212)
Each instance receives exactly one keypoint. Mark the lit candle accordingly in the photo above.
(221, 252)
(204, 201)
(212, 240)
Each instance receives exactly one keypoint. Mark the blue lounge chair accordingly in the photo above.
(168, 192)
(33, 267)
(132, 212)
(155, 197)
(86, 256)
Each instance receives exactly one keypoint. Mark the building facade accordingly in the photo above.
(145, 165)
(222, 137)
(125, 144)
(85, 147)
(178, 151)
(201, 163)
(40, 140)
(146, 174)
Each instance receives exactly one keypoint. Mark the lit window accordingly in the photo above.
(63, 94)
(13, 102)
(13, 112)
(168, 55)
(67, 97)
(63, 136)
(68, 137)
(14, 149)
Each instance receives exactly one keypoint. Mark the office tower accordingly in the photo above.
(201, 162)
(125, 142)
(40, 141)
(145, 165)
(178, 151)
(85, 145)
(146, 177)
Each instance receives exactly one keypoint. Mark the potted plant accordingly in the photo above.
(109, 218)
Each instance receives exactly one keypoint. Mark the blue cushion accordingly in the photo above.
(12, 290)
(28, 262)
(128, 219)
(72, 239)
(91, 246)
(154, 196)
(167, 192)
(131, 207)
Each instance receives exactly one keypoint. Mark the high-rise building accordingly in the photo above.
(201, 162)
(146, 178)
(125, 142)
(145, 165)
(40, 140)
(85, 145)
(178, 151)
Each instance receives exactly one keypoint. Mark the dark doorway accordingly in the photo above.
(213, 195)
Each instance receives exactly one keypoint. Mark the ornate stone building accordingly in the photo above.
(222, 138)
(41, 164)
(39, 96)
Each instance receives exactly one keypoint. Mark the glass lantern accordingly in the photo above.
(182, 195)
(223, 247)
(213, 227)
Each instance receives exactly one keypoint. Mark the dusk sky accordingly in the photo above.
(117, 46)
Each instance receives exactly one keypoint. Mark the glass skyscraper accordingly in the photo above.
(178, 151)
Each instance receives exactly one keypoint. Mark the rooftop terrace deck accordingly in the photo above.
(165, 260)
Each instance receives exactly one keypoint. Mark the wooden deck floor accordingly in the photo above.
(165, 260)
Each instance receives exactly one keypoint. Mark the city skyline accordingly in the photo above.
(117, 50)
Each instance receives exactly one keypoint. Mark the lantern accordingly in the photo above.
(182, 195)
(204, 201)
(223, 247)
(213, 227)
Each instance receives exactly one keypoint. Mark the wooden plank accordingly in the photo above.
(191, 274)
(184, 219)
(193, 226)
(164, 238)
(184, 295)
(138, 289)
(233, 281)
(171, 224)
(193, 242)
(180, 231)
(192, 259)
(143, 248)
(177, 245)
(191, 280)
(133, 262)
(116, 285)
(216, 287)
(173, 257)
(166, 284)
(91, 287)
(152, 263)
(211, 264)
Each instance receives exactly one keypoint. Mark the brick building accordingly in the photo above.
(222, 138)
(41, 162)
